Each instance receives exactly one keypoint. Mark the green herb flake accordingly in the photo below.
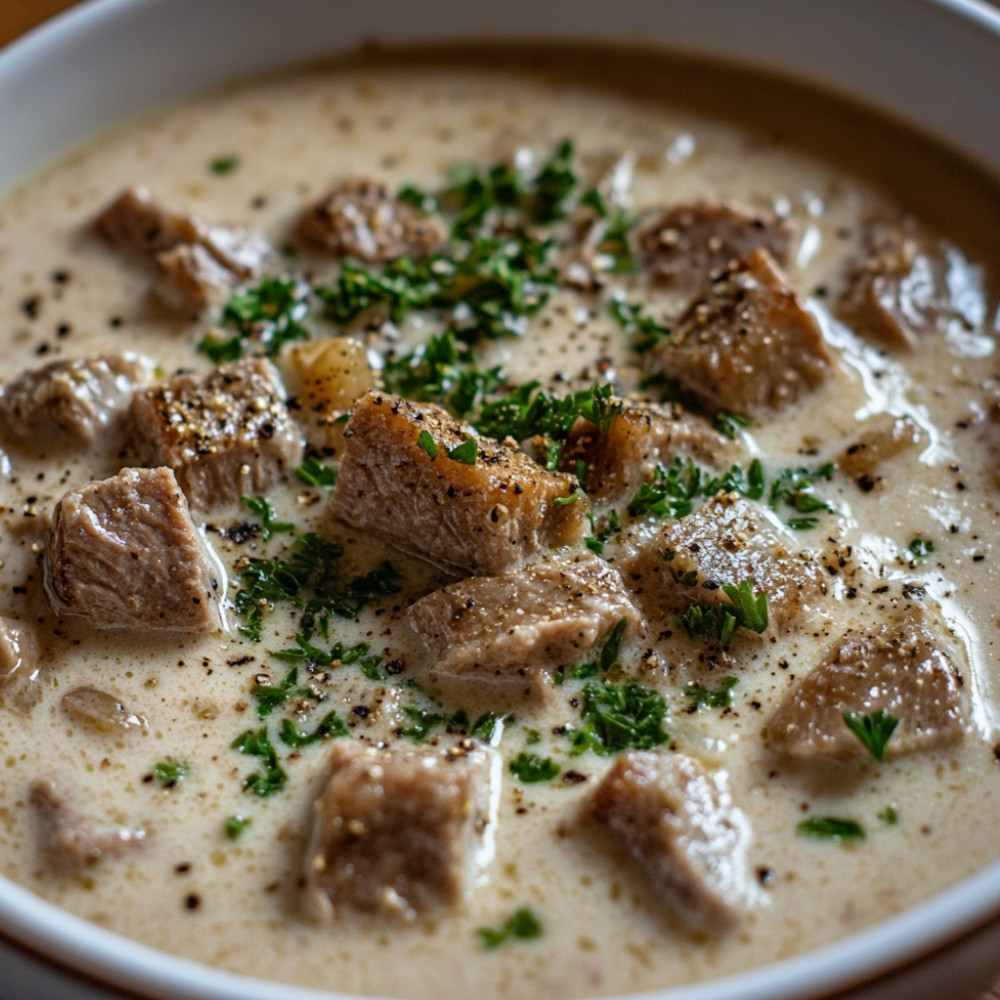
(530, 768)
(235, 826)
(720, 697)
(920, 548)
(718, 621)
(648, 332)
(618, 716)
(873, 729)
(889, 815)
(314, 473)
(170, 772)
(224, 164)
(831, 828)
(425, 440)
(268, 525)
(729, 424)
(271, 777)
(272, 696)
(522, 925)
(467, 452)
(330, 726)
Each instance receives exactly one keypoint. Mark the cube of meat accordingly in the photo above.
(195, 261)
(679, 824)
(360, 218)
(399, 832)
(486, 515)
(226, 434)
(728, 540)
(897, 288)
(640, 438)
(124, 553)
(903, 668)
(747, 344)
(514, 630)
(73, 402)
(688, 245)
(20, 658)
(77, 842)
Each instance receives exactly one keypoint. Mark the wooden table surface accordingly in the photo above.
(18, 16)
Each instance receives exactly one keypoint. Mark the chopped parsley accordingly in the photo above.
(718, 621)
(831, 828)
(331, 725)
(271, 777)
(371, 666)
(618, 716)
(647, 331)
(673, 491)
(921, 548)
(522, 925)
(873, 730)
(720, 697)
(609, 527)
(729, 424)
(224, 164)
(467, 452)
(424, 723)
(314, 473)
(272, 696)
(235, 826)
(170, 772)
(889, 815)
(794, 488)
(268, 525)
(265, 316)
(425, 440)
(530, 768)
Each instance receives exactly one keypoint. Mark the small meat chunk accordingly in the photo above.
(398, 832)
(640, 438)
(397, 481)
(678, 823)
(689, 244)
(897, 288)
(748, 344)
(517, 628)
(73, 402)
(360, 218)
(20, 658)
(881, 438)
(226, 434)
(903, 668)
(728, 540)
(196, 262)
(124, 553)
(78, 842)
(100, 711)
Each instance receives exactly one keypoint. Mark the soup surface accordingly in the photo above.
(161, 782)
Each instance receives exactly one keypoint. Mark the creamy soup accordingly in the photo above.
(161, 782)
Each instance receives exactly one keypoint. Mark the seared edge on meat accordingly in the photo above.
(125, 553)
(747, 344)
(73, 402)
(225, 435)
(678, 823)
(903, 668)
(75, 841)
(517, 628)
(361, 218)
(690, 244)
(485, 517)
(400, 832)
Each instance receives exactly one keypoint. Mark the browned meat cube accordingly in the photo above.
(897, 289)
(517, 628)
(398, 832)
(639, 439)
(728, 540)
(124, 553)
(883, 437)
(19, 665)
(748, 344)
(196, 262)
(484, 517)
(360, 218)
(77, 842)
(689, 244)
(73, 401)
(680, 826)
(903, 669)
(226, 434)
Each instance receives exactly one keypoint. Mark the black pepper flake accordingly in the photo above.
(30, 307)
(573, 777)
(192, 901)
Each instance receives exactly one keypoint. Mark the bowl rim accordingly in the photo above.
(79, 945)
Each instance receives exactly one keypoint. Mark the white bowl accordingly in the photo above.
(933, 63)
